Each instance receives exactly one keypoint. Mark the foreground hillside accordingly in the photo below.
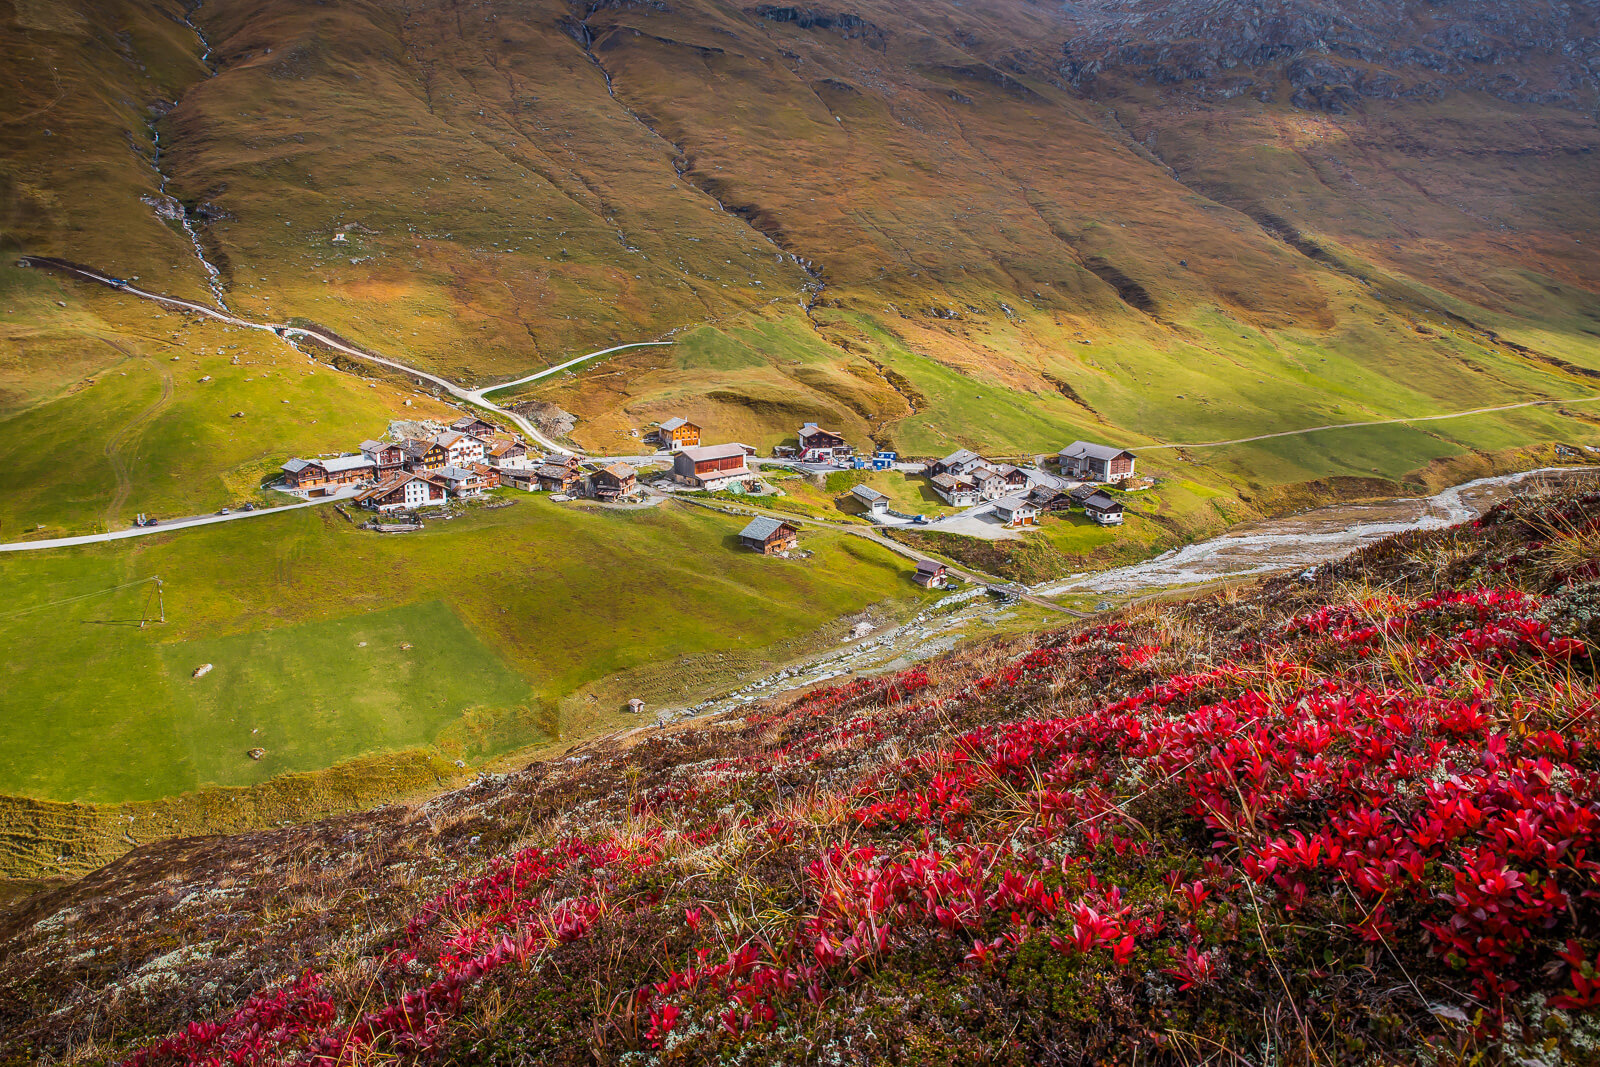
(1348, 818)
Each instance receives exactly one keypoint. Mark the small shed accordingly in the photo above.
(636, 705)
(767, 536)
(876, 503)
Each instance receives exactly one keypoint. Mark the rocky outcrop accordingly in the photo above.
(1332, 54)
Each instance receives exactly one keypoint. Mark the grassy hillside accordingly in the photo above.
(329, 642)
(1344, 819)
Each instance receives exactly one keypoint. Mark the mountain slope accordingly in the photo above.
(992, 224)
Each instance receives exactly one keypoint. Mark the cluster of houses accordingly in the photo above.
(964, 479)
(466, 460)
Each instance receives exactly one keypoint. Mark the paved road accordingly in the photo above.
(1374, 422)
(167, 525)
(471, 396)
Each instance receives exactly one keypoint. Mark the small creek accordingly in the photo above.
(1300, 541)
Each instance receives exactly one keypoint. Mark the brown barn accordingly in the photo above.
(315, 477)
(710, 466)
(767, 536)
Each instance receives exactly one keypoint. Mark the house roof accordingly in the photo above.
(620, 471)
(867, 494)
(295, 466)
(1005, 469)
(673, 423)
(1084, 492)
(702, 453)
(346, 463)
(418, 448)
(502, 448)
(1100, 502)
(762, 528)
(466, 421)
(375, 446)
(448, 438)
(960, 455)
(951, 481)
(1087, 449)
(810, 429)
(553, 470)
(928, 566)
(1013, 504)
(385, 487)
(455, 474)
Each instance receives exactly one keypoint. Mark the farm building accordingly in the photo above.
(1104, 510)
(423, 456)
(990, 483)
(613, 482)
(876, 503)
(767, 536)
(710, 466)
(316, 477)
(955, 490)
(473, 426)
(1017, 511)
(677, 433)
(818, 445)
(1097, 463)
(930, 574)
(402, 491)
(385, 455)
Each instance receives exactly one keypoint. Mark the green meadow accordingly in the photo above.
(328, 642)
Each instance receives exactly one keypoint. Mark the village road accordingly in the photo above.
(166, 526)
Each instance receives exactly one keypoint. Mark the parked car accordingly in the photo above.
(248, 507)
(225, 511)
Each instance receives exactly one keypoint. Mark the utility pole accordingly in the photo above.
(161, 604)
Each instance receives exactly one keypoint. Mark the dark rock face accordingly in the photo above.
(1332, 54)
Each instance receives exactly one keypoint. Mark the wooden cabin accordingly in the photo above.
(1102, 509)
(768, 536)
(930, 574)
(613, 482)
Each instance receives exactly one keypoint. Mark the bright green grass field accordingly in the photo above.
(507, 611)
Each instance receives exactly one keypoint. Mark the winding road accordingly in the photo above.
(478, 397)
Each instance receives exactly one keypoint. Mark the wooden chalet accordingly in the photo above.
(710, 466)
(386, 456)
(319, 477)
(1050, 498)
(818, 445)
(613, 482)
(423, 456)
(473, 426)
(768, 536)
(558, 477)
(489, 476)
(676, 433)
(1015, 477)
(930, 574)
(955, 490)
(1096, 463)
